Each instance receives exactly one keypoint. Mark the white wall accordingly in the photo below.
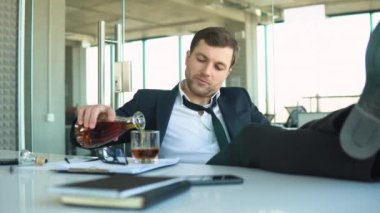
(48, 137)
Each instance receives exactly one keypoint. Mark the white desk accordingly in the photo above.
(262, 192)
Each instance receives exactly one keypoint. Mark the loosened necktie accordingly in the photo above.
(218, 127)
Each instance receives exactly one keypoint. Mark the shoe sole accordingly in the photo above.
(360, 134)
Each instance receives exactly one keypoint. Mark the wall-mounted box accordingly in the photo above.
(123, 72)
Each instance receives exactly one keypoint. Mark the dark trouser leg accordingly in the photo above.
(311, 150)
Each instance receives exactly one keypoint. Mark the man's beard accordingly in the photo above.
(199, 91)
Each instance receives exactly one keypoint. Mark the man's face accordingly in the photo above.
(206, 69)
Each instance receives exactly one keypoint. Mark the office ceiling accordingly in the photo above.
(154, 18)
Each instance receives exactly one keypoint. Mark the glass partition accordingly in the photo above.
(317, 63)
(62, 66)
(294, 60)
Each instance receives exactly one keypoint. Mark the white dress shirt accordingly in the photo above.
(190, 135)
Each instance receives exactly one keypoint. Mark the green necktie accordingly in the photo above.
(218, 127)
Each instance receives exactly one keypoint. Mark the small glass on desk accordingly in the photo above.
(145, 145)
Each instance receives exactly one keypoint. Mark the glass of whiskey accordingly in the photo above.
(145, 145)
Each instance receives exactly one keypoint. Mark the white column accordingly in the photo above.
(251, 22)
(48, 77)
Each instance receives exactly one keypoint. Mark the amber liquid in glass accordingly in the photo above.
(145, 153)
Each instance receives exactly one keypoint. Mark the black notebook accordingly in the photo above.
(121, 191)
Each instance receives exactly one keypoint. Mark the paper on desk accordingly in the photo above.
(99, 166)
(131, 168)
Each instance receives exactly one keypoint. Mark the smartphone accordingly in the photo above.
(214, 179)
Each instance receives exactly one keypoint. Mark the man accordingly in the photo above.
(184, 132)
(314, 149)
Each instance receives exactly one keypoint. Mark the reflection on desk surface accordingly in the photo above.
(27, 190)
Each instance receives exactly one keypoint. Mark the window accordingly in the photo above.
(133, 52)
(92, 75)
(162, 60)
(316, 63)
(185, 46)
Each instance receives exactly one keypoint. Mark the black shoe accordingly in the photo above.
(360, 135)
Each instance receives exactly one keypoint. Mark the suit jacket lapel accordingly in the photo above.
(165, 106)
(229, 116)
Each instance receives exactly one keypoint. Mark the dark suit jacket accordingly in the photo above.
(234, 103)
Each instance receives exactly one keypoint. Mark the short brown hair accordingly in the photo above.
(217, 37)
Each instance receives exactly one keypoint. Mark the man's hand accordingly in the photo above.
(88, 115)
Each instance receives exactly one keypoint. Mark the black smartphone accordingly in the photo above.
(214, 179)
